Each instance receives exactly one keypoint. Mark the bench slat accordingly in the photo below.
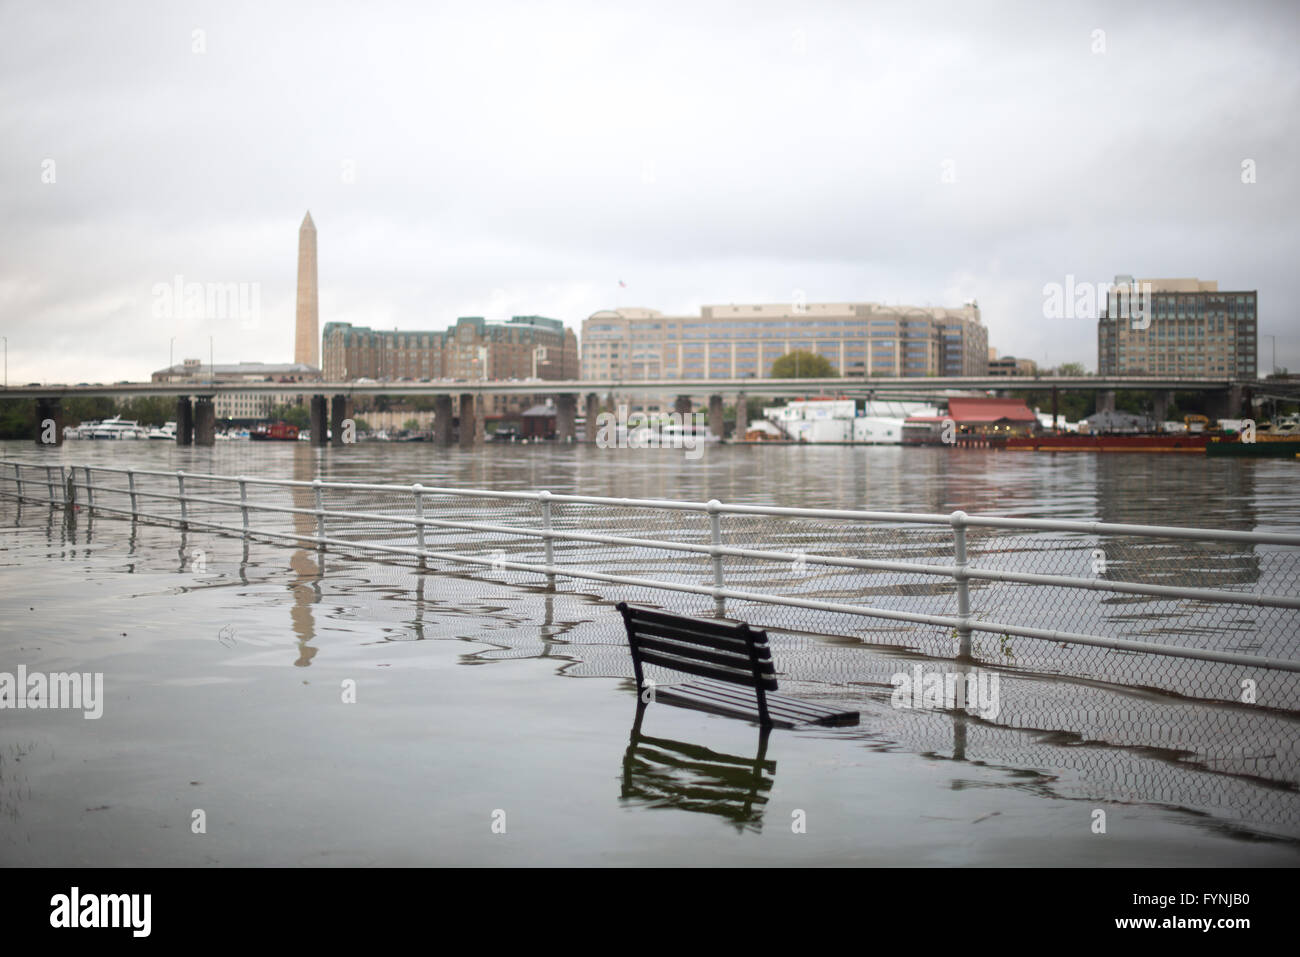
(797, 705)
(741, 661)
(779, 707)
(776, 704)
(746, 679)
(724, 640)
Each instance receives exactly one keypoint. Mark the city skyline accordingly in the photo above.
(826, 156)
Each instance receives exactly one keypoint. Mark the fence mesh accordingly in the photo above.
(496, 530)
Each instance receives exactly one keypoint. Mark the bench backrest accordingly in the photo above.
(722, 650)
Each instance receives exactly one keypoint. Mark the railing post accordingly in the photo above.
(243, 502)
(418, 489)
(548, 545)
(18, 479)
(49, 481)
(320, 515)
(180, 486)
(68, 486)
(90, 489)
(963, 584)
(715, 533)
(130, 484)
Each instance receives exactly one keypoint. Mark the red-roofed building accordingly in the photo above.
(975, 421)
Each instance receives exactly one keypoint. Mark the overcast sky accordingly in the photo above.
(499, 159)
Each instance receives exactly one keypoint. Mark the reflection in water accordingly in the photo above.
(307, 568)
(658, 772)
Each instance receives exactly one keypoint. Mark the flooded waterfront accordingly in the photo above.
(225, 686)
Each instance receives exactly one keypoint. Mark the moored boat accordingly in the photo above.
(277, 432)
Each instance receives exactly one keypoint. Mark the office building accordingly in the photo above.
(1182, 327)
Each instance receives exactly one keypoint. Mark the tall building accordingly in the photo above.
(307, 330)
(474, 349)
(1184, 327)
(735, 342)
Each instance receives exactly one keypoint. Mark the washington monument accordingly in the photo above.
(306, 344)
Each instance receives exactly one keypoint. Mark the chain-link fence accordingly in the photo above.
(1202, 613)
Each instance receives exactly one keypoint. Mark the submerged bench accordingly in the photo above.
(731, 662)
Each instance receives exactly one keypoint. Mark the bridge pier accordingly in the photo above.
(184, 420)
(338, 412)
(49, 422)
(1106, 400)
(472, 430)
(1227, 404)
(566, 411)
(593, 413)
(205, 421)
(1160, 402)
(442, 419)
(717, 421)
(319, 418)
(742, 417)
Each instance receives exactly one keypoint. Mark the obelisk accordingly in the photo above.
(306, 343)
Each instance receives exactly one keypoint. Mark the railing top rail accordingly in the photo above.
(954, 519)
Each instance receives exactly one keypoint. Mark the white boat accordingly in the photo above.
(167, 431)
(83, 431)
(838, 421)
(118, 428)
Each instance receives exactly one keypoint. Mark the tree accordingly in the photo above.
(17, 418)
(149, 409)
(1071, 369)
(802, 364)
(293, 414)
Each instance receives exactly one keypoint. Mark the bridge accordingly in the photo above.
(196, 418)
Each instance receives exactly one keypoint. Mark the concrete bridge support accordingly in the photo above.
(1106, 400)
(49, 422)
(717, 421)
(184, 421)
(442, 419)
(1161, 401)
(472, 430)
(592, 413)
(205, 421)
(742, 417)
(319, 416)
(339, 411)
(566, 413)
(1230, 403)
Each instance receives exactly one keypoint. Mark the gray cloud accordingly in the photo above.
(523, 158)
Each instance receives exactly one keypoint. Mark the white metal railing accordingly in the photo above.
(397, 520)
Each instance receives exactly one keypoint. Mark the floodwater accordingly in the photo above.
(267, 706)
